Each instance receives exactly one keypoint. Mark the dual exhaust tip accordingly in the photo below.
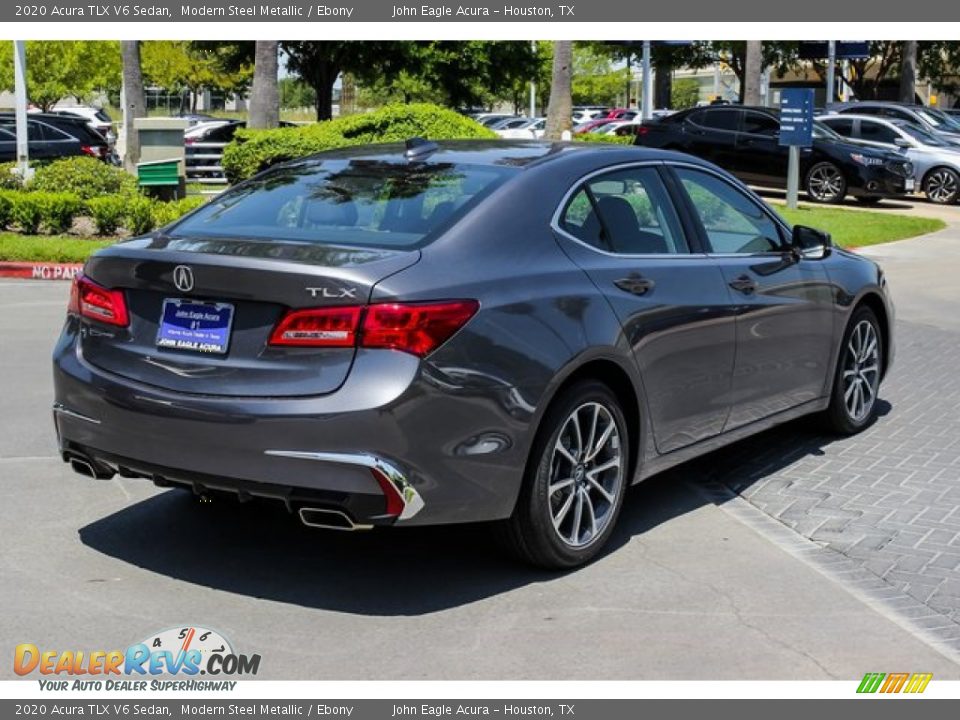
(310, 516)
(329, 519)
(90, 468)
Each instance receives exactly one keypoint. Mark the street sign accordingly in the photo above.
(845, 50)
(796, 117)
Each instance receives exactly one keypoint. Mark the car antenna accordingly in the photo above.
(418, 148)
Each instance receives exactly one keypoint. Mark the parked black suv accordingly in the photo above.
(52, 136)
(745, 141)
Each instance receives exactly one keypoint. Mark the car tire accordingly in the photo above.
(567, 508)
(825, 183)
(942, 186)
(860, 365)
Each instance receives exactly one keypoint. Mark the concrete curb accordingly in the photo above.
(39, 270)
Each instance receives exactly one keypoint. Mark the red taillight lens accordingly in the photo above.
(92, 301)
(417, 328)
(642, 130)
(319, 327)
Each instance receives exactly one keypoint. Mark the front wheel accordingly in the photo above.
(826, 184)
(575, 482)
(942, 186)
(853, 402)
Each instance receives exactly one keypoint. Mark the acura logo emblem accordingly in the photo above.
(183, 278)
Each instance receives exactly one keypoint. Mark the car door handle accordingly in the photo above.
(744, 284)
(635, 284)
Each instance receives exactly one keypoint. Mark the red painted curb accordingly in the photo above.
(39, 270)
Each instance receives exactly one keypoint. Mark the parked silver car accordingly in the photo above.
(931, 119)
(936, 162)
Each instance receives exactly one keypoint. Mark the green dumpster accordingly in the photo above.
(159, 173)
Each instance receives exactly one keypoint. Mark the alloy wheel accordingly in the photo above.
(942, 186)
(825, 183)
(586, 475)
(861, 371)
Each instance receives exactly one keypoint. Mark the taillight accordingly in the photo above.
(642, 130)
(89, 150)
(92, 301)
(416, 328)
(318, 327)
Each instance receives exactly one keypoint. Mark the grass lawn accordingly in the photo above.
(857, 228)
(48, 248)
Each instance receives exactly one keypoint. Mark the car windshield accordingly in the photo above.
(949, 123)
(923, 136)
(350, 202)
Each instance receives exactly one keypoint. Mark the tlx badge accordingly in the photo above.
(325, 292)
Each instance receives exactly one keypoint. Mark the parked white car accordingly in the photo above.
(936, 161)
(533, 129)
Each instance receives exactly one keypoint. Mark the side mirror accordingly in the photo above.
(811, 243)
(901, 142)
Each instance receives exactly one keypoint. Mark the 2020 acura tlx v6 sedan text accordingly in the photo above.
(471, 331)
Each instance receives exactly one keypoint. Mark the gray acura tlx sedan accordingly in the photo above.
(468, 331)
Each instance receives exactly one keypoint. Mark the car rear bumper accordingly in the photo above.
(388, 447)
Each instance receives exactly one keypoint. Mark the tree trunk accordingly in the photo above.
(265, 93)
(135, 104)
(663, 84)
(908, 72)
(753, 69)
(322, 80)
(560, 108)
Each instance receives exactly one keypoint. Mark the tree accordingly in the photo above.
(778, 56)
(908, 71)
(560, 109)
(179, 65)
(135, 104)
(62, 69)
(319, 63)
(265, 95)
(752, 72)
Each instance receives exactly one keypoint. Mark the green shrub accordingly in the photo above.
(107, 213)
(57, 210)
(610, 139)
(6, 207)
(166, 213)
(27, 211)
(9, 180)
(86, 177)
(139, 217)
(254, 150)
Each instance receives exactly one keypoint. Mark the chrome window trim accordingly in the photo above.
(556, 226)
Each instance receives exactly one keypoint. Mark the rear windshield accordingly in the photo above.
(360, 203)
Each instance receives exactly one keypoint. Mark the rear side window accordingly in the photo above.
(626, 212)
(844, 126)
(720, 119)
(363, 203)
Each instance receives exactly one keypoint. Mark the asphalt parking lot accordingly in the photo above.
(789, 556)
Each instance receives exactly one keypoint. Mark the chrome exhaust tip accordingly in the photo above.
(90, 468)
(329, 519)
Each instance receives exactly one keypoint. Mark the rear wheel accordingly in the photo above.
(853, 402)
(575, 481)
(826, 184)
(942, 186)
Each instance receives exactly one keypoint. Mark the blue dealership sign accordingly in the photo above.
(796, 117)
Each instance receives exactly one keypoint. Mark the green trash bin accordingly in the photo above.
(160, 176)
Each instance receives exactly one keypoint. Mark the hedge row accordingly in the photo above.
(54, 212)
(255, 150)
(85, 177)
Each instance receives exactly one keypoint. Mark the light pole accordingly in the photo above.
(533, 85)
(831, 63)
(646, 111)
(20, 94)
